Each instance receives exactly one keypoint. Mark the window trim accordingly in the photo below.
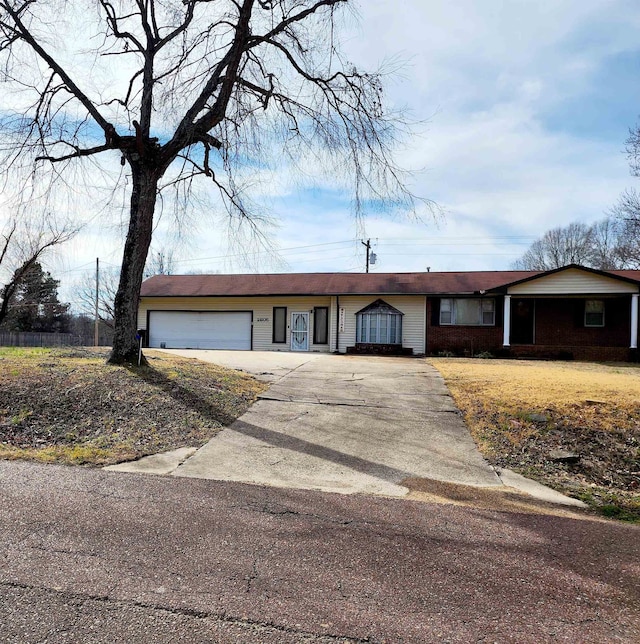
(450, 310)
(594, 326)
(363, 329)
(273, 325)
(316, 326)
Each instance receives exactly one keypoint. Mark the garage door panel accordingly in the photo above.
(200, 329)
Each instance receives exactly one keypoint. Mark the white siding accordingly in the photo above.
(573, 281)
(262, 309)
(413, 321)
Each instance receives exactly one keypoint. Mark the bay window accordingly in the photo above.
(379, 323)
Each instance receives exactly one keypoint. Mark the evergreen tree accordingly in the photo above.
(35, 305)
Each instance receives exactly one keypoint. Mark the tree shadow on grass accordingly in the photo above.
(186, 396)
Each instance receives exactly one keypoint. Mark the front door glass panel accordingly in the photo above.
(299, 332)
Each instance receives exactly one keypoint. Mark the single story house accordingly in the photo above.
(571, 312)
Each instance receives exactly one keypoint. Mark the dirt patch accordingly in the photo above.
(572, 426)
(68, 405)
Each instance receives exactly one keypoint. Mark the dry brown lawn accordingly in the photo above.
(69, 406)
(521, 412)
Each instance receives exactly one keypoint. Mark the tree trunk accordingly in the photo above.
(143, 202)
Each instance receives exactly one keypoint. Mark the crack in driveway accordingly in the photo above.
(350, 425)
(340, 403)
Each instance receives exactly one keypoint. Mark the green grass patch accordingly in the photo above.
(23, 352)
(614, 505)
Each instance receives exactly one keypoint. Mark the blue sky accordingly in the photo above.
(525, 107)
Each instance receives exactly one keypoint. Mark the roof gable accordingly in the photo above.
(379, 306)
(574, 280)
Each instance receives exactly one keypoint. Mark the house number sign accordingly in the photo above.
(262, 319)
(342, 316)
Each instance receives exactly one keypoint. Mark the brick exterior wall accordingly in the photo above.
(366, 348)
(553, 352)
(560, 322)
(462, 340)
(559, 332)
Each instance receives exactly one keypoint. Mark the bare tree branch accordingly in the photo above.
(22, 33)
(7, 236)
(22, 247)
(79, 152)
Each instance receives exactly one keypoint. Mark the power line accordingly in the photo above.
(406, 242)
(457, 243)
(459, 237)
(261, 252)
(412, 242)
(83, 267)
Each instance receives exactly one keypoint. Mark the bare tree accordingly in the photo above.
(601, 245)
(608, 250)
(85, 292)
(22, 245)
(160, 262)
(626, 214)
(214, 89)
(558, 247)
(633, 150)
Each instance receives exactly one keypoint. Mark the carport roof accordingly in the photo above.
(329, 283)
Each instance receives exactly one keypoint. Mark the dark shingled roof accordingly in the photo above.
(329, 283)
(462, 282)
(628, 274)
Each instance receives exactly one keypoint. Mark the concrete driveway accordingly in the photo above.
(348, 424)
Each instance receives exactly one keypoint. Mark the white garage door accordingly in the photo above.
(200, 330)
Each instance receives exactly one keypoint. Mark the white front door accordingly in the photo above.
(299, 332)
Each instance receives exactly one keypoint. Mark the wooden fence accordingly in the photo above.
(49, 340)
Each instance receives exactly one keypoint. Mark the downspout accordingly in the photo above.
(426, 323)
(634, 321)
(337, 324)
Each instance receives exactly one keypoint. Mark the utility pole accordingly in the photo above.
(367, 245)
(96, 332)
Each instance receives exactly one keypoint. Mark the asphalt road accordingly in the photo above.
(95, 556)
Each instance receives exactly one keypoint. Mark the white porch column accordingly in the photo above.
(506, 323)
(634, 321)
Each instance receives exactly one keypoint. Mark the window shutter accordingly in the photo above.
(499, 306)
(578, 313)
(279, 331)
(320, 325)
(435, 311)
